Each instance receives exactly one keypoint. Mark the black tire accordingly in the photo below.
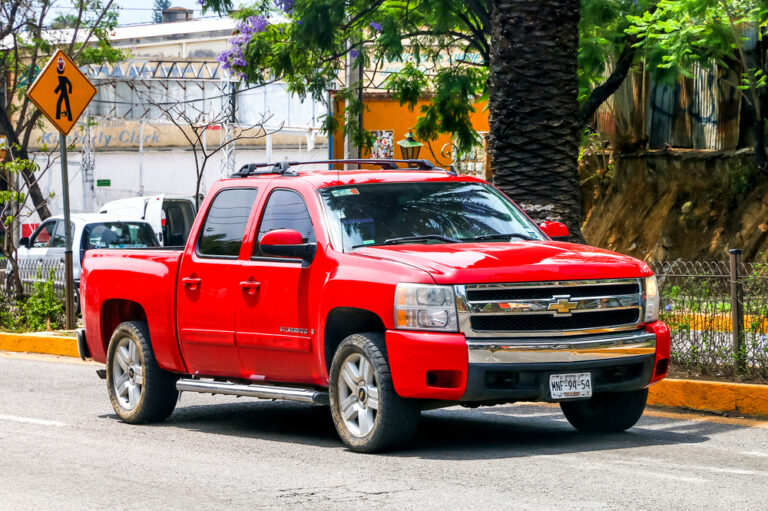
(609, 412)
(396, 419)
(158, 394)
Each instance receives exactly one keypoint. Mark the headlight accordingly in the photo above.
(651, 299)
(425, 307)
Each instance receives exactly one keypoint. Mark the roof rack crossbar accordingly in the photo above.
(284, 167)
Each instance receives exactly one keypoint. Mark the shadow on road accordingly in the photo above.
(526, 430)
(510, 431)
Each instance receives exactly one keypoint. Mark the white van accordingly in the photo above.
(170, 217)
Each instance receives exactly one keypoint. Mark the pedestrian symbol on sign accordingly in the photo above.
(64, 90)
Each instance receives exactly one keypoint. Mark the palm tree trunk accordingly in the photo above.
(533, 106)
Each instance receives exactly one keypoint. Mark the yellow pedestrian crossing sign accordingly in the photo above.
(61, 92)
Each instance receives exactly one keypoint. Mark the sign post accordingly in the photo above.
(62, 93)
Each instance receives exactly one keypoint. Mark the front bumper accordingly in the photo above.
(450, 367)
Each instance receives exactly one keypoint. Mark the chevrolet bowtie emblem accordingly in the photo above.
(562, 305)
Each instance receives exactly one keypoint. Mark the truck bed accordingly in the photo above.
(142, 281)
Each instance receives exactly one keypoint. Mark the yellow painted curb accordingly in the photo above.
(41, 342)
(741, 398)
(714, 322)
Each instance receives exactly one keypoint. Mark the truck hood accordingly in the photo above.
(517, 261)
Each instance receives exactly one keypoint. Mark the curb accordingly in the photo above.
(710, 396)
(707, 396)
(40, 342)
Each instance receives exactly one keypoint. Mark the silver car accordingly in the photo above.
(44, 250)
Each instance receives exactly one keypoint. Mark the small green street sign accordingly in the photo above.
(103, 182)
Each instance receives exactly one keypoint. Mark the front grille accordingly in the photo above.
(543, 322)
(492, 295)
(549, 308)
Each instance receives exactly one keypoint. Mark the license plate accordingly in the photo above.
(569, 386)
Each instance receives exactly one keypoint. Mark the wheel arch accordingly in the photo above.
(342, 322)
(116, 311)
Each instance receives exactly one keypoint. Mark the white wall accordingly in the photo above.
(168, 171)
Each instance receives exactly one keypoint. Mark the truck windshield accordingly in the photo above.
(437, 212)
(118, 235)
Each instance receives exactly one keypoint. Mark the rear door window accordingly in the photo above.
(224, 226)
(286, 209)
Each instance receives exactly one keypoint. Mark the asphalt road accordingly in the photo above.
(62, 447)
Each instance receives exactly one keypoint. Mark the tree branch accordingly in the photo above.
(96, 24)
(601, 93)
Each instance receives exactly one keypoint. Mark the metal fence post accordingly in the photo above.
(737, 309)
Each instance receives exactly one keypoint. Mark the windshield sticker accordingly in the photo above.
(344, 192)
(369, 242)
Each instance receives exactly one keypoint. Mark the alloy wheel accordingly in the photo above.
(128, 379)
(358, 395)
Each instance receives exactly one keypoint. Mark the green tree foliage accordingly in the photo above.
(274, 36)
(729, 34)
(305, 42)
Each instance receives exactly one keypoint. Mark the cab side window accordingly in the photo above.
(42, 238)
(225, 223)
(286, 209)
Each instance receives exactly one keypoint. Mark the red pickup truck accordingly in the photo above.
(380, 291)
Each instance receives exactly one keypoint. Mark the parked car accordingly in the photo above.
(170, 217)
(44, 250)
(380, 293)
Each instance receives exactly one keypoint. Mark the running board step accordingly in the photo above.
(261, 391)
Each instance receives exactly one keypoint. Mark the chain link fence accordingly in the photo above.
(718, 314)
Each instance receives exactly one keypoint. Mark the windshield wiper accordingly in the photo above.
(501, 235)
(406, 239)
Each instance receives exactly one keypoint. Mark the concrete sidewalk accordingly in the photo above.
(717, 397)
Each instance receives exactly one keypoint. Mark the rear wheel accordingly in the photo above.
(367, 412)
(609, 412)
(139, 390)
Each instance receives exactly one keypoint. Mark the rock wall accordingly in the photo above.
(677, 204)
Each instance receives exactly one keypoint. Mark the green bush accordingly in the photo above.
(43, 309)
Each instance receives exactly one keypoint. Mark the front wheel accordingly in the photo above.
(139, 390)
(367, 412)
(609, 412)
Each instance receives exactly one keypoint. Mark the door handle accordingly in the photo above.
(250, 286)
(191, 282)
